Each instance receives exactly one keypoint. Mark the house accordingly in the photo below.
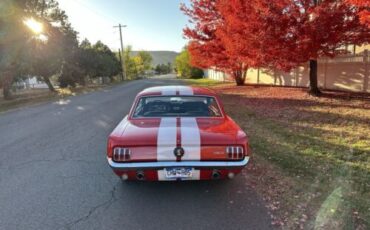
(31, 82)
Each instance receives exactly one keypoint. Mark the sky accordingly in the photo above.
(151, 24)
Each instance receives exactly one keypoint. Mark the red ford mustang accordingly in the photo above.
(177, 133)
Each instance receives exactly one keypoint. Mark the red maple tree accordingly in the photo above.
(234, 35)
(323, 28)
(364, 10)
(206, 48)
(256, 31)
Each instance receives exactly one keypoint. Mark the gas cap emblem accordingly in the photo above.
(179, 152)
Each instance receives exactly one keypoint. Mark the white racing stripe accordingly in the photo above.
(167, 134)
(166, 141)
(185, 90)
(169, 91)
(190, 139)
(172, 90)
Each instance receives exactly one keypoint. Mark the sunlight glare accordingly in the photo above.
(34, 25)
(42, 38)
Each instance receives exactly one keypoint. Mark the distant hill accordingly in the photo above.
(161, 57)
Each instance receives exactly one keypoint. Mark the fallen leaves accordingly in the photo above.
(304, 148)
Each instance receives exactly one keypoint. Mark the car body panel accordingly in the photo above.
(203, 139)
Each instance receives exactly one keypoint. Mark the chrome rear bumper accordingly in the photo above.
(168, 164)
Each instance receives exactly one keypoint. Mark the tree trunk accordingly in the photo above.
(7, 93)
(7, 84)
(48, 82)
(313, 89)
(83, 81)
(240, 77)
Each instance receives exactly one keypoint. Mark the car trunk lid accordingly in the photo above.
(156, 139)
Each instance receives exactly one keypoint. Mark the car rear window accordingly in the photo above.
(177, 106)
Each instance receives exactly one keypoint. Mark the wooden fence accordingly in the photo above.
(346, 72)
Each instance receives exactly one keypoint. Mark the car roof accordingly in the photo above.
(177, 90)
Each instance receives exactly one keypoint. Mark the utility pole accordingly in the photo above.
(120, 60)
(123, 57)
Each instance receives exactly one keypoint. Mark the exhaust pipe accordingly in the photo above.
(216, 175)
(140, 175)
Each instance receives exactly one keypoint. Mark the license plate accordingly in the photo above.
(175, 173)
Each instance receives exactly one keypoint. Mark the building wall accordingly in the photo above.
(348, 73)
(31, 83)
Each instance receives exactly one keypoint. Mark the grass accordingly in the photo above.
(311, 155)
(202, 82)
(26, 98)
(36, 96)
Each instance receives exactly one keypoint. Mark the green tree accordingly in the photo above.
(55, 55)
(164, 68)
(146, 58)
(130, 66)
(183, 67)
(98, 60)
(41, 54)
(143, 62)
(88, 58)
(158, 69)
(169, 68)
(136, 65)
(59, 48)
(13, 37)
(107, 63)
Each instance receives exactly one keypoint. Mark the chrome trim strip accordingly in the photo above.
(169, 164)
(131, 117)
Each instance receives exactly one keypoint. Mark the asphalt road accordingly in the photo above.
(54, 174)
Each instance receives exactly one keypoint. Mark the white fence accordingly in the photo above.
(347, 72)
(30, 83)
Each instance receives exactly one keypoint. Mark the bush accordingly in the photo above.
(196, 73)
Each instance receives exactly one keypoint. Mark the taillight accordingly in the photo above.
(109, 148)
(121, 154)
(235, 152)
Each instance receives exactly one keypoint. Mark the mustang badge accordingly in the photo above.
(179, 152)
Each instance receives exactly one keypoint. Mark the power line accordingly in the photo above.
(101, 15)
(106, 18)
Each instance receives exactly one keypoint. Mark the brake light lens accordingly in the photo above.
(235, 152)
(121, 154)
